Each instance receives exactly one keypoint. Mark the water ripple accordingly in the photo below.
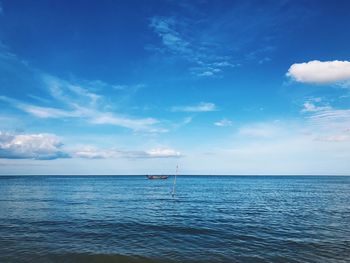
(212, 219)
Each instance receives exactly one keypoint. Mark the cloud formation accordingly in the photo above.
(334, 138)
(178, 39)
(43, 146)
(264, 130)
(75, 101)
(171, 38)
(134, 124)
(95, 153)
(89, 152)
(223, 123)
(311, 107)
(31, 146)
(200, 107)
(162, 153)
(320, 72)
(328, 124)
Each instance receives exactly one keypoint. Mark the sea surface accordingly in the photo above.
(211, 219)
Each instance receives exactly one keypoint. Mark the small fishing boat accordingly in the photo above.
(157, 176)
(166, 177)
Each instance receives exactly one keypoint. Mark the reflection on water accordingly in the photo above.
(131, 219)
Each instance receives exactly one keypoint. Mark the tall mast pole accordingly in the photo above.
(174, 185)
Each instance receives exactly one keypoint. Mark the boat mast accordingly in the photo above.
(174, 185)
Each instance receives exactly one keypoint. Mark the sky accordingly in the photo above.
(137, 87)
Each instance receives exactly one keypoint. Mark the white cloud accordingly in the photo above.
(165, 28)
(334, 138)
(145, 124)
(177, 38)
(311, 107)
(44, 146)
(320, 72)
(329, 116)
(30, 146)
(46, 112)
(264, 60)
(206, 74)
(95, 153)
(326, 123)
(187, 120)
(264, 130)
(163, 153)
(223, 123)
(201, 107)
(42, 112)
(72, 94)
(74, 101)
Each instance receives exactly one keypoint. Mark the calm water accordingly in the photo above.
(212, 219)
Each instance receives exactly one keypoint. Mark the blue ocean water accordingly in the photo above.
(211, 219)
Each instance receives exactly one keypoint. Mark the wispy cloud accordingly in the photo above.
(171, 38)
(213, 43)
(311, 107)
(223, 123)
(320, 72)
(326, 114)
(334, 138)
(200, 107)
(327, 123)
(89, 152)
(146, 124)
(75, 101)
(263, 130)
(51, 97)
(202, 55)
(339, 116)
(95, 153)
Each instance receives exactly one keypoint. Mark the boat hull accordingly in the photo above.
(155, 177)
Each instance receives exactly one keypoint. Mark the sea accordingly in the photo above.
(210, 219)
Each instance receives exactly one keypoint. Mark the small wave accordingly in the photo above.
(99, 258)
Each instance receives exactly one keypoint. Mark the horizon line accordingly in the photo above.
(219, 175)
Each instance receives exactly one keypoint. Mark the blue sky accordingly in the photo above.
(136, 87)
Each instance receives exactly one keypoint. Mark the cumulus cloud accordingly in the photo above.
(31, 146)
(201, 107)
(223, 123)
(44, 146)
(320, 72)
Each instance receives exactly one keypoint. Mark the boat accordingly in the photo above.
(157, 176)
(166, 177)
